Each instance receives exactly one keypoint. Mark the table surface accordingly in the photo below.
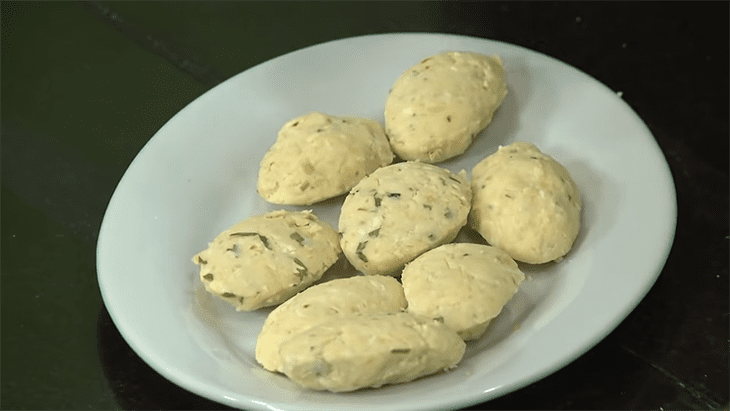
(86, 85)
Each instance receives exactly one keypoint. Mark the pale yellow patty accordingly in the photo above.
(437, 107)
(525, 203)
(319, 156)
(266, 259)
(324, 302)
(370, 350)
(400, 211)
(466, 285)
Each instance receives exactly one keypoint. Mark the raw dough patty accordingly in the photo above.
(268, 258)
(466, 285)
(525, 203)
(400, 211)
(321, 303)
(436, 108)
(318, 156)
(370, 350)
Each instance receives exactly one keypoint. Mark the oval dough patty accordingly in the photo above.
(370, 350)
(400, 211)
(437, 107)
(268, 258)
(525, 203)
(464, 284)
(322, 302)
(318, 156)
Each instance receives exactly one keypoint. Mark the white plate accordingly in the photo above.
(197, 176)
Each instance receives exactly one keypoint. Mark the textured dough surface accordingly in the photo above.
(318, 156)
(464, 284)
(525, 203)
(268, 258)
(437, 107)
(321, 303)
(370, 350)
(400, 211)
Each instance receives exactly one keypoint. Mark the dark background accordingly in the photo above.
(86, 85)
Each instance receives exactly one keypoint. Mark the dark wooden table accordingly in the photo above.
(86, 85)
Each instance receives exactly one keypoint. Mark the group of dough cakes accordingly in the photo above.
(418, 297)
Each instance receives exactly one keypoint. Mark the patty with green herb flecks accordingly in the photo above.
(266, 259)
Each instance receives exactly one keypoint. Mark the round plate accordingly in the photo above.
(197, 176)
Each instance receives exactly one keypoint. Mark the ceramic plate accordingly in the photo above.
(197, 176)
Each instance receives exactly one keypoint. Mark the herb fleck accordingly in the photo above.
(394, 195)
(455, 179)
(359, 252)
(228, 295)
(439, 319)
(374, 233)
(297, 237)
(378, 200)
(243, 234)
(448, 213)
(400, 350)
(295, 124)
(508, 196)
(427, 206)
(448, 118)
(263, 239)
(208, 277)
(301, 270)
(201, 261)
